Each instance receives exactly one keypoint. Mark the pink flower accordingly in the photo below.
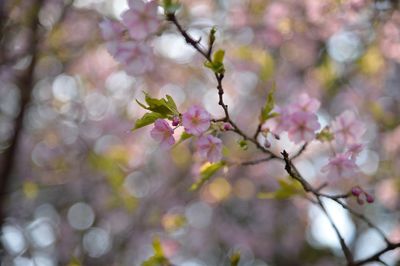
(163, 133)
(347, 128)
(135, 57)
(354, 150)
(303, 126)
(279, 123)
(209, 148)
(196, 120)
(141, 19)
(340, 166)
(305, 104)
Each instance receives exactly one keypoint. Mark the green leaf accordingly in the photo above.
(217, 64)
(235, 258)
(142, 105)
(158, 105)
(162, 106)
(171, 104)
(287, 190)
(325, 135)
(170, 7)
(157, 247)
(243, 144)
(206, 173)
(158, 259)
(211, 37)
(146, 120)
(219, 56)
(269, 106)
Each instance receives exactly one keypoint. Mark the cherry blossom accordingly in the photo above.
(209, 148)
(340, 166)
(196, 120)
(303, 126)
(280, 123)
(354, 150)
(347, 128)
(163, 133)
(135, 57)
(305, 103)
(141, 19)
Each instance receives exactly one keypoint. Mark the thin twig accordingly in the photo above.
(257, 161)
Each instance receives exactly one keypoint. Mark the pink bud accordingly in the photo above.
(369, 198)
(356, 191)
(227, 126)
(175, 121)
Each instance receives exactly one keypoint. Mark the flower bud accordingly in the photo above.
(369, 198)
(356, 191)
(175, 121)
(227, 126)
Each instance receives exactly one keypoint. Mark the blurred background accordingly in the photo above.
(79, 188)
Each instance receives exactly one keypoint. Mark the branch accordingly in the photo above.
(219, 77)
(25, 85)
(289, 166)
(257, 161)
(359, 216)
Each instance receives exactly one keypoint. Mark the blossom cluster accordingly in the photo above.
(196, 121)
(299, 120)
(127, 39)
(347, 131)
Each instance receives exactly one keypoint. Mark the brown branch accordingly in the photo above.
(358, 215)
(300, 152)
(292, 171)
(25, 85)
(219, 77)
(257, 161)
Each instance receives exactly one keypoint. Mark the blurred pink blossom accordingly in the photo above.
(196, 120)
(347, 128)
(275, 13)
(136, 57)
(279, 123)
(163, 133)
(209, 148)
(340, 166)
(305, 104)
(141, 19)
(303, 126)
(354, 150)
(111, 30)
